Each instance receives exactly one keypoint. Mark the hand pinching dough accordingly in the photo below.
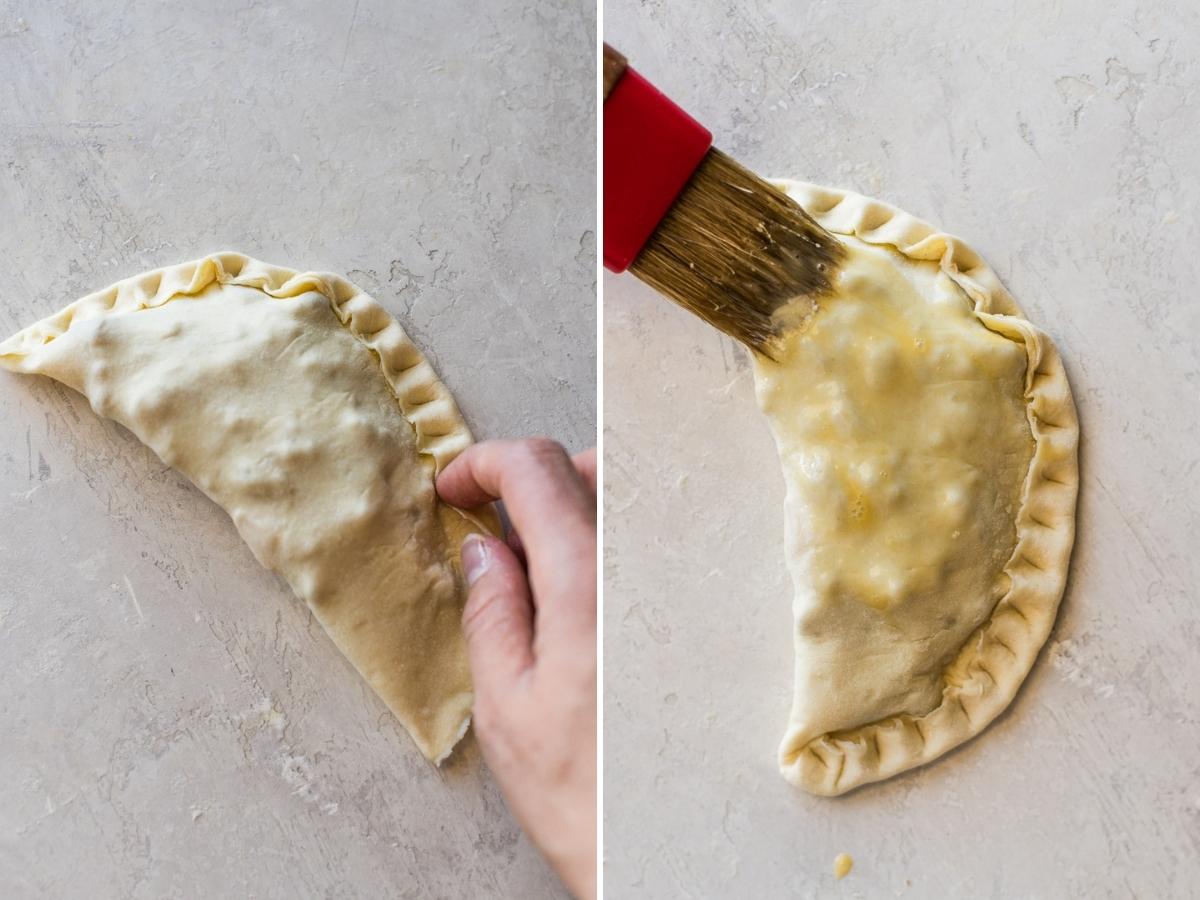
(928, 440)
(299, 405)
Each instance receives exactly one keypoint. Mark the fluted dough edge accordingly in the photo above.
(423, 400)
(991, 666)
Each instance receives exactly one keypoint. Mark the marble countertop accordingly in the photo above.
(1063, 141)
(174, 723)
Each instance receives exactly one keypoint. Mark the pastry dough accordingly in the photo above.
(928, 440)
(299, 405)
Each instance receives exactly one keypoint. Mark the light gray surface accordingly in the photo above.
(172, 722)
(1063, 140)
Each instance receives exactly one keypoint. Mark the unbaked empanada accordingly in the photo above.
(928, 440)
(299, 405)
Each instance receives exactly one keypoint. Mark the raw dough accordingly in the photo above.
(928, 440)
(299, 405)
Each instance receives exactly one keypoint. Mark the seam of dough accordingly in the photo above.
(994, 661)
(423, 400)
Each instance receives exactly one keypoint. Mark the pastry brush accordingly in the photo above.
(694, 224)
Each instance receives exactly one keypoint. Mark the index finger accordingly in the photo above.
(585, 465)
(546, 498)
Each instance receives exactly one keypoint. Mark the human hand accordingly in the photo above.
(530, 625)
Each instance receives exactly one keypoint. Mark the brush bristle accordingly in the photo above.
(734, 249)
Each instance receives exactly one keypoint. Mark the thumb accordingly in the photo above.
(498, 616)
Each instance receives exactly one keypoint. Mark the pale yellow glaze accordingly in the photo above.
(900, 420)
(891, 405)
(928, 439)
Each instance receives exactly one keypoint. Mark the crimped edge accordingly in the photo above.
(996, 658)
(426, 403)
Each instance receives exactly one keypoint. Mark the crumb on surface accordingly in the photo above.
(842, 864)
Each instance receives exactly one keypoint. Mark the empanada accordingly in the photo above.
(928, 440)
(299, 405)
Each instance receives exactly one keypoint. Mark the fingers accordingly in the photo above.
(506, 470)
(585, 465)
(498, 616)
(513, 539)
(546, 498)
(552, 509)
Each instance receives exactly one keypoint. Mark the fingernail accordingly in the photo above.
(475, 558)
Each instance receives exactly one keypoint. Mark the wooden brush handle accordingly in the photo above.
(614, 68)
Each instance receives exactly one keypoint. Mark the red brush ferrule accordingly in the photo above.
(651, 149)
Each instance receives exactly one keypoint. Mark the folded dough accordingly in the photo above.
(299, 405)
(928, 440)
